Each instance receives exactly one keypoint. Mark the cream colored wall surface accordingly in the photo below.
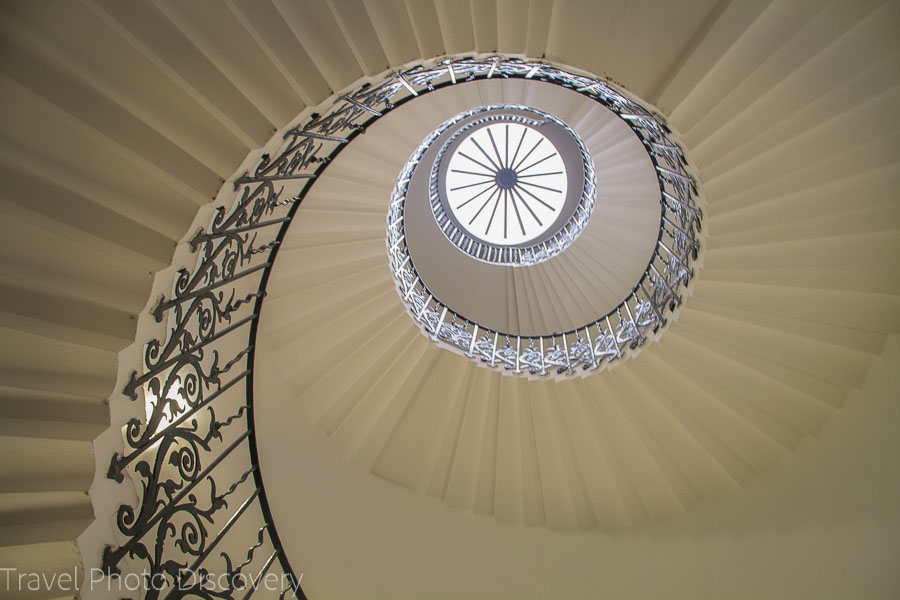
(824, 524)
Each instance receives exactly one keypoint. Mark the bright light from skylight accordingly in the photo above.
(506, 183)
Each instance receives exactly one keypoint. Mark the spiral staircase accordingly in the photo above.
(125, 122)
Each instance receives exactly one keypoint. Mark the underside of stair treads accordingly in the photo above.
(767, 347)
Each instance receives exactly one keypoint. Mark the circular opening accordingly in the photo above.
(604, 336)
(511, 185)
(506, 183)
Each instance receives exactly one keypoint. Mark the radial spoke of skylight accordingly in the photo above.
(519, 145)
(517, 188)
(543, 187)
(493, 212)
(471, 173)
(494, 144)
(493, 187)
(525, 204)
(506, 147)
(534, 164)
(486, 155)
(516, 208)
(520, 176)
(479, 163)
(524, 158)
(486, 202)
(491, 181)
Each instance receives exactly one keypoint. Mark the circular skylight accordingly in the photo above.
(513, 333)
(511, 185)
(506, 183)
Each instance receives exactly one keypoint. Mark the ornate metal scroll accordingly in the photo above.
(190, 459)
(201, 526)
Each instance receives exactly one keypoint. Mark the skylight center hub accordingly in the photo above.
(506, 178)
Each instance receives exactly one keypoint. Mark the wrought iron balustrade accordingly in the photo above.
(201, 504)
(610, 337)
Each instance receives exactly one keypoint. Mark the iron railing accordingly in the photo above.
(201, 526)
(608, 338)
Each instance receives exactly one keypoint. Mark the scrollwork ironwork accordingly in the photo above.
(181, 458)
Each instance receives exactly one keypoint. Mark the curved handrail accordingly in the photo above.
(616, 334)
(195, 469)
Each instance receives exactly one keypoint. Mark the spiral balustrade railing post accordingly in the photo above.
(201, 526)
